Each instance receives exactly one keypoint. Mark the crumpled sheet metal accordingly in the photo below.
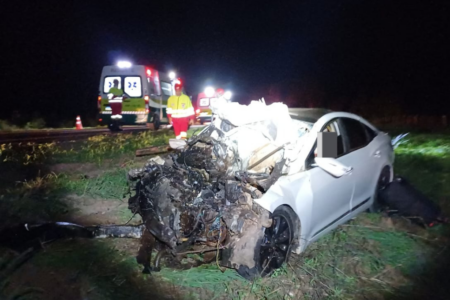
(205, 192)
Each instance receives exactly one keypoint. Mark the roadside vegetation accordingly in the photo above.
(35, 122)
(94, 149)
(372, 257)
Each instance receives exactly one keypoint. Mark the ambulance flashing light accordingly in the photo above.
(228, 95)
(123, 64)
(209, 91)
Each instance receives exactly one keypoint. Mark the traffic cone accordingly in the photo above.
(78, 123)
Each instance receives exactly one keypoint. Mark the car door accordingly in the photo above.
(363, 157)
(331, 195)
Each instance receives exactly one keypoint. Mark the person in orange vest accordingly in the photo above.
(180, 112)
(115, 96)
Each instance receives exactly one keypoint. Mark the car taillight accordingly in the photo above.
(99, 98)
(100, 120)
(149, 72)
(146, 98)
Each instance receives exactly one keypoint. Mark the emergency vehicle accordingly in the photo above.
(207, 98)
(146, 92)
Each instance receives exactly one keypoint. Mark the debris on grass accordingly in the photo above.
(372, 257)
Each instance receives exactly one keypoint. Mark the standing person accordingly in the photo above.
(115, 96)
(180, 112)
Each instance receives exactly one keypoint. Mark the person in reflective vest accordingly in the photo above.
(180, 112)
(115, 96)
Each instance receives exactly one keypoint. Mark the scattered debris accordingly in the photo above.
(35, 236)
(398, 140)
(157, 159)
(411, 203)
(200, 197)
(152, 150)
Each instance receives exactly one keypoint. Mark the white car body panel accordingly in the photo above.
(294, 191)
(321, 201)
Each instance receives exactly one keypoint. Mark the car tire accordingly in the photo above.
(156, 121)
(114, 127)
(277, 240)
(383, 180)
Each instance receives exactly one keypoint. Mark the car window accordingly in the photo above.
(109, 83)
(371, 134)
(166, 88)
(132, 85)
(355, 134)
(151, 86)
(332, 126)
(204, 102)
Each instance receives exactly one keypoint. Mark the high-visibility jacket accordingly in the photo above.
(115, 102)
(116, 92)
(179, 107)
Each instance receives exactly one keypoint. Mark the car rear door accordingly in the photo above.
(363, 157)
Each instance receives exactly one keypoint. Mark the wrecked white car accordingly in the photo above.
(249, 189)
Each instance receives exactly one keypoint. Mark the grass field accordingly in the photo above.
(371, 257)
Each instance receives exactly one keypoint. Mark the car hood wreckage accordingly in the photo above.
(209, 194)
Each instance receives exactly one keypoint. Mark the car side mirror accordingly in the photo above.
(332, 166)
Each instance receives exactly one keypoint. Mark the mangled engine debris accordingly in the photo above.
(200, 198)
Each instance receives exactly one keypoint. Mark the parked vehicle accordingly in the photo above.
(205, 101)
(147, 91)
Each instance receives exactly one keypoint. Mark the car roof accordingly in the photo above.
(310, 115)
(134, 69)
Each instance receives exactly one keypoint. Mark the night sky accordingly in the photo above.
(329, 53)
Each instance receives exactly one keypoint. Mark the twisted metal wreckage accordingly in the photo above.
(201, 198)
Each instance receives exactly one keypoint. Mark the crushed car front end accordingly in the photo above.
(201, 198)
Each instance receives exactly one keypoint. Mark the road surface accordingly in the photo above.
(43, 136)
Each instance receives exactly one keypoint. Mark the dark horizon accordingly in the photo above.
(326, 53)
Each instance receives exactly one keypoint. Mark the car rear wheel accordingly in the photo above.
(274, 248)
(383, 180)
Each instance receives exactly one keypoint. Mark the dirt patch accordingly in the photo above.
(88, 169)
(128, 247)
(90, 211)
(86, 269)
(48, 283)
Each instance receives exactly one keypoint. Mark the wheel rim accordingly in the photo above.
(276, 245)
